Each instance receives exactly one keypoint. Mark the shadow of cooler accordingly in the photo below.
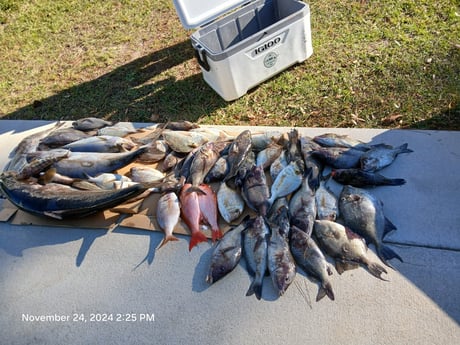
(240, 46)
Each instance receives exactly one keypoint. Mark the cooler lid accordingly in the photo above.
(194, 13)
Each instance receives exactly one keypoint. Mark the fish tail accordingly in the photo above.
(376, 270)
(386, 253)
(255, 288)
(166, 239)
(196, 238)
(195, 189)
(325, 290)
(403, 149)
(216, 234)
(389, 227)
(395, 181)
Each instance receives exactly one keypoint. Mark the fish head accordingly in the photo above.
(218, 270)
(283, 277)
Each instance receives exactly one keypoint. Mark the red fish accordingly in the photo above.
(208, 207)
(191, 214)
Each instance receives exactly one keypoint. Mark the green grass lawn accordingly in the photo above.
(385, 64)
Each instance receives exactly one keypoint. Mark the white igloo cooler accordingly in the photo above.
(249, 44)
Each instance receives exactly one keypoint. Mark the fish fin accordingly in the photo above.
(255, 288)
(325, 289)
(166, 239)
(395, 181)
(341, 266)
(389, 227)
(376, 270)
(403, 149)
(196, 238)
(196, 190)
(386, 253)
(216, 234)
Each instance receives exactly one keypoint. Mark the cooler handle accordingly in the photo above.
(202, 59)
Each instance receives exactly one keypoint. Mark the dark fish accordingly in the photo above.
(278, 165)
(279, 215)
(38, 165)
(363, 213)
(61, 137)
(60, 201)
(311, 259)
(171, 160)
(280, 262)
(207, 200)
(156, 151)
(337, 140)
(255, 190)
(238, 152)
(81, 164)
(361, 178)
(261, 141)
(120, 129)
(267, 156)
(191, 215)
(381, 156)
(293, 150)
(203, 161)
(90, 123)
(179, 125)
(218, 171)
(345, 247)
(255, 246)
(302, 207)
(226, 254)
(313, 166)
(339, 157)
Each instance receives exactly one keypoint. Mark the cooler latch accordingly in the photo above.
(202, 59)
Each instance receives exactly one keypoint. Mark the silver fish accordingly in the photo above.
(62, 137)
(90, 123)
(168, 214)
(345, 246)
(202, 163)
(184, 141)
(326, 202)
(280, 262)
(145, 174)
(287, 181)
(255, 246)
(218, 171)
(156, 151)
(81, 164)
(302, 207)
(230, 203)
(380, 156)
(61, 201)
(261, 141)
(226, 254)
(337, 140)
(267, 156)
(278, 165)
(363, 213)
(100, 143)
(120, 129)
(108, 180)
(311, 259)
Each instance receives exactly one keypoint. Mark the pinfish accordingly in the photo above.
(239, 150)
(302, 207)
(255, 190)
(287, 181)
(255, 246)
(100, 143)
(361, 178)
(381, 156)
(81, 164)
(226, 254)
(207, 200)
(280, 262)
(268, 155)
(278, 165)
(363, 213)
(345, 246)
(311, 259)
(61, 201)
(184, 141)
(337, 140)
(90, 123)
(339, 157)
(107, 180)
(145, 174)
(62, 137)
(120, 129)
(229, 202)
(191, 215)
(168, 213)
(326, 202)
(313, 166)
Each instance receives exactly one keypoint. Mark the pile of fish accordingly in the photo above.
(264, 195)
